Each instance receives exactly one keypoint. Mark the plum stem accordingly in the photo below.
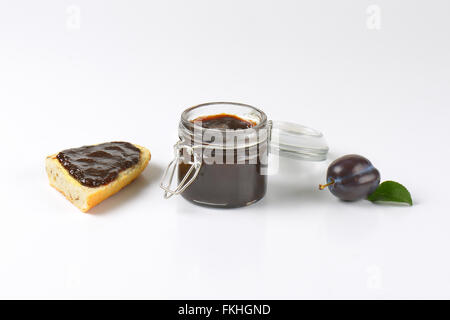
(323, 186)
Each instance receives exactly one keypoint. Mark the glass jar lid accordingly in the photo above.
(298, 142)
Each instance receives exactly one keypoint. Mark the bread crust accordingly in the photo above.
(87, 197)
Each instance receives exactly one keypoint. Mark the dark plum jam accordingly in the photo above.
(226, 184)
(224, 121)
(99, 164)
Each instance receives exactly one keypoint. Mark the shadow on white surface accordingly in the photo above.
(149, 178)
(296, 185)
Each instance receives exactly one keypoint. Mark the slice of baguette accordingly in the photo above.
(86, 197)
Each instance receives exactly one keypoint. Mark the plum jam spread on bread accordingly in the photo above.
(100, 164)
(90, 174)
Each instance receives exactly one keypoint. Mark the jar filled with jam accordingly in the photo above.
(221, 158)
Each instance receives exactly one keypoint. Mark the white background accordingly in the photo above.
(129, 69)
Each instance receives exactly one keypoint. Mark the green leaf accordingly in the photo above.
(391, 191)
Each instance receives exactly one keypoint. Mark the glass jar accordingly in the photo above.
(227, 167)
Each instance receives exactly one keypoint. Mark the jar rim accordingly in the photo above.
(188, 124)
